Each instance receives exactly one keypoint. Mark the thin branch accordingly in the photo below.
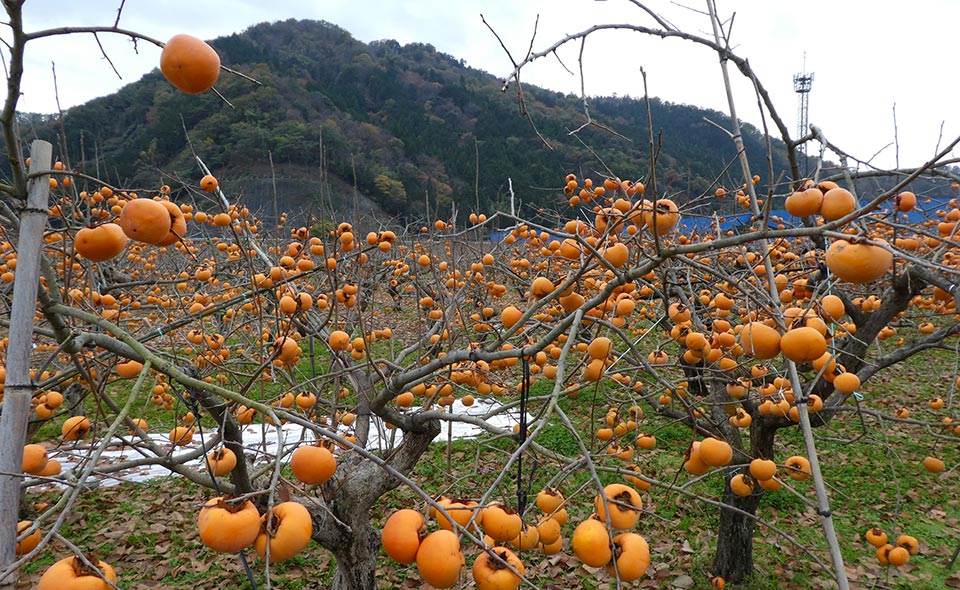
(116, 23)
(104, 51)
(516, 76)
(55, 32)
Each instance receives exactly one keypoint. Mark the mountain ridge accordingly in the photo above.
(403, 126)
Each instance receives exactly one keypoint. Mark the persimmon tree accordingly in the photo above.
(854, 243)
(353, 345)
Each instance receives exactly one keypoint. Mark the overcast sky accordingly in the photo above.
(868, 61)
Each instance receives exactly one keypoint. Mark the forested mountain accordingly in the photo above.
(406, 125)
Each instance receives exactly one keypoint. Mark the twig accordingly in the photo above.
(516, 76)
(222, 97)
(116, 23)
(104, 51)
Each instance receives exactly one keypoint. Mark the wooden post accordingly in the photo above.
(18, 389)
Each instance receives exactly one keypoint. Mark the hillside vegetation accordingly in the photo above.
(407, 125)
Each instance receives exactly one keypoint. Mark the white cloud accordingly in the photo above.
(866, 58)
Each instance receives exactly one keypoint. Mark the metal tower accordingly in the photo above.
(801, 85)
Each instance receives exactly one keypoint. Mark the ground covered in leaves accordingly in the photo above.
(148, 531)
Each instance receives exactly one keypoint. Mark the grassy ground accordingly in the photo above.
(148, 532)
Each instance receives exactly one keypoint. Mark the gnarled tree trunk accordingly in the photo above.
(356, 567)
(343, 525)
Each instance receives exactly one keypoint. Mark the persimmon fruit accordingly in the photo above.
(222, 461)
(762, 469)
(549, 500)
(933, 464)
(145, 220)
(209, 183)
(715, 452)
(75, 428)
(70, 573)
(287, 530)
(30, 541)
(190, 64)
(129, 369)
(857, 263)
(34, 458)
(837, 202)
(313, 464)
(101, 242)
(490, 574)
(760, 341)
(797, 467)
(402, 534)
(803, 344)
(227, 526)
(632, 556)
(178, 224)
(591, 543)
(501, 522)
(439, 559)
(876, 537)
(624, 506)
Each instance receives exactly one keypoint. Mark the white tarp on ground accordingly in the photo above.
(261, 442)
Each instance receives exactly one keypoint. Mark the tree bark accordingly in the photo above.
(733, 560)
(356, 567)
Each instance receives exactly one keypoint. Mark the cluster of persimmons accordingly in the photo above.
(582, 268)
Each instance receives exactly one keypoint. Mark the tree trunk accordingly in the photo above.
(733, 560)
(343, 525)
(356, 567)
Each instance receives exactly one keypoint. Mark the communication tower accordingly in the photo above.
(801, 85)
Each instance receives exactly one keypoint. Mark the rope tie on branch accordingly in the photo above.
(158, 329)
(524, 394)
(30, 386)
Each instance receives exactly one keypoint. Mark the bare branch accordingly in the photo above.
(104, 52)
(116, 23)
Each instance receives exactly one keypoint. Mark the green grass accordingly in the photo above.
(157, 520)
(558, 439)
(872, 469)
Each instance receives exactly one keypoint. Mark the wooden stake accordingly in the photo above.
(18, 389)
